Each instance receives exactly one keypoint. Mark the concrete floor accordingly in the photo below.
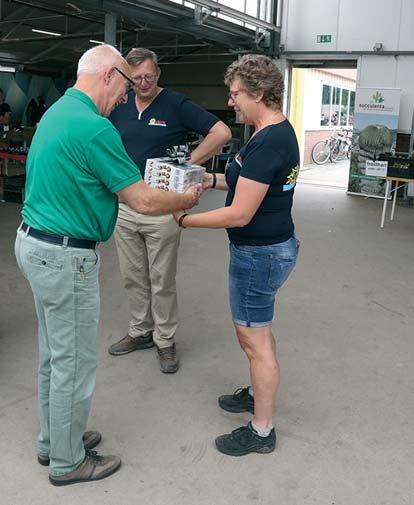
(345, 411)
(330, 174)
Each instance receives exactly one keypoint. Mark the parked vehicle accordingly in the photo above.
(335, 148)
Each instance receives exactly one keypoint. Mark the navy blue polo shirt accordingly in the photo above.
(165, 123)
(270, 157)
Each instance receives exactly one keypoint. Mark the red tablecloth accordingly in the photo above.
(16, 157)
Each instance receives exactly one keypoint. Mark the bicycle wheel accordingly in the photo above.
(321, 152)
(337, 152)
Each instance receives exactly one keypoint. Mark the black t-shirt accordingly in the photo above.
(165, 123)
(270, 157)
(4, 107)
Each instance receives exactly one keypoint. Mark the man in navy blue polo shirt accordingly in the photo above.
(152, 120)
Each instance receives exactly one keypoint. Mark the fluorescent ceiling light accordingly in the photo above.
(7, 69)
(47, 33)
(96, 41)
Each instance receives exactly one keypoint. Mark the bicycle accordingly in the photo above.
(334, 148)
(342, 147)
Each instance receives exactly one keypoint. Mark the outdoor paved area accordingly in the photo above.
(330, 174)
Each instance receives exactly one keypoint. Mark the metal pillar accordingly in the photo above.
(110, 28)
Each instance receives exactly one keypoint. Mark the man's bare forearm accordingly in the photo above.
(155, 202)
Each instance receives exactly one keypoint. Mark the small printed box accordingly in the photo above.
(163, 173)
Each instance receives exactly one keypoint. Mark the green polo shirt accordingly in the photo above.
(76, 164)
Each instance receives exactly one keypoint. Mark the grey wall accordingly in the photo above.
(203, 83)
(355, 25)
(391, 72)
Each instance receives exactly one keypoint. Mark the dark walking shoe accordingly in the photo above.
(245, 440)
(93, 467)
(239, 401)
(129, 344)
(90, 440)
(168, 359)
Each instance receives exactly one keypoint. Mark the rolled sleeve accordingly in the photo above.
(196, 118)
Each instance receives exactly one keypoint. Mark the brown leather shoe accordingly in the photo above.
(90, 440)
(93, 467)
(129, 344)
(168, 359)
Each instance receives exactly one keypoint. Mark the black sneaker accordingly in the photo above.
(239, 401)
(245, 440)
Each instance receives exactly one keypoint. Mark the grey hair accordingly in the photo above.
(258, 73)
(97, 58)
(139, 54)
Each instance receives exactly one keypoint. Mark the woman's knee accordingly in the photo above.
(255, 342)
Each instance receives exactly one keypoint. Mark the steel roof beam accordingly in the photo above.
(234, 13)
(54, 46)
(178, 17)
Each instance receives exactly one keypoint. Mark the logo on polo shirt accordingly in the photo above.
(157, 122)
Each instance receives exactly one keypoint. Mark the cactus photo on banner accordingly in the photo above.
(374, 134)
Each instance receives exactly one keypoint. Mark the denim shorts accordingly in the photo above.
(255, 275)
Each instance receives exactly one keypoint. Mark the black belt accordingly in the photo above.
(58, 239)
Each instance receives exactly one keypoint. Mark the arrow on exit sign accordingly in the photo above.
(324, 39)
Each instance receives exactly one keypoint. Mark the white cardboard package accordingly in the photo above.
(167, 174)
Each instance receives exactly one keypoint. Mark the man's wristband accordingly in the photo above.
(180, 220)
(213, 184)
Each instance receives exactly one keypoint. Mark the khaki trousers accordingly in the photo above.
(147, 250)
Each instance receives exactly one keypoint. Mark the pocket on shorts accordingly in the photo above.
(280, 269)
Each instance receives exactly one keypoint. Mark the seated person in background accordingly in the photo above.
(30, 112)
(39, 110)
(4, 110)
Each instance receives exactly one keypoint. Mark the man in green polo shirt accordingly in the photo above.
(76, 170)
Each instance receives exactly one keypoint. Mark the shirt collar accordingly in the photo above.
(83, 97)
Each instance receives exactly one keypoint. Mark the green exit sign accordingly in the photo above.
(324, 39)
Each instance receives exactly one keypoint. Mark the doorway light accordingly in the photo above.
(7, 69)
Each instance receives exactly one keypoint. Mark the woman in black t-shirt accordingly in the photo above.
(263, 248)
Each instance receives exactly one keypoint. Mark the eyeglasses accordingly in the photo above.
(234, 94)
(149, 78)
(130, 81)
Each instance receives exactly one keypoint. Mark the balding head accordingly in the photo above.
(104, 76)
(99, 58)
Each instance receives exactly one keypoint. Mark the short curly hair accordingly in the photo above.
(258, 73)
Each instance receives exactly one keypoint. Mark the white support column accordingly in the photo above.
(110, 28)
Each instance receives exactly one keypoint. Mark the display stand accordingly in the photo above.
(388, 191)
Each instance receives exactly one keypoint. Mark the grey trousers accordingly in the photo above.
(64, 282)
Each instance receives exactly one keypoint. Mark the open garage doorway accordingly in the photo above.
(322, 101)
